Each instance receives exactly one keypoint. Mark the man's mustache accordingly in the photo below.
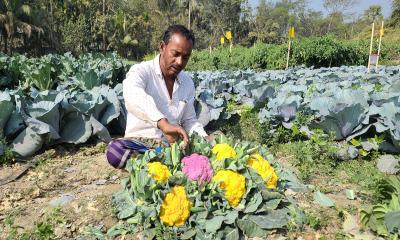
(177, 67)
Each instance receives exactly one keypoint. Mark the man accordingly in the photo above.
(159, 99)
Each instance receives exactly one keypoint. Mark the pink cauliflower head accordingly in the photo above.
(197, 167)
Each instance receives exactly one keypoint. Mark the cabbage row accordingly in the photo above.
(59, 116)
(345, 101)
(87, 101)
(51, 71)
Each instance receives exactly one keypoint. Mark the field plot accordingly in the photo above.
(305, 153)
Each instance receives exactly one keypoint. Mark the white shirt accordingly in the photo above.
(147, 101)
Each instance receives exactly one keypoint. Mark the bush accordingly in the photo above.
(326, 51)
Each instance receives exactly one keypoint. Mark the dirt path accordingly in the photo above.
(67, 191)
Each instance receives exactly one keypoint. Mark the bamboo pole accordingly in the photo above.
(370, 47)
(189, 16)
(379, 47)
(288, 54)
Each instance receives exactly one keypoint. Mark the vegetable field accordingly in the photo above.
(299, 153)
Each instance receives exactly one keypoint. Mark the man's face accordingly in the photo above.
(175, 55)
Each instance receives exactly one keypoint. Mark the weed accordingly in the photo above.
(313, 221)
(43, 230)
(6, 154)
(361, 172)
(311, 157)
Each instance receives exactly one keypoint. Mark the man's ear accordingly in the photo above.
(162, 46)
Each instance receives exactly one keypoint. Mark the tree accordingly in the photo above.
(373, 14)
(337, 11)
(16, 19)
(338, 6)
(395, 16)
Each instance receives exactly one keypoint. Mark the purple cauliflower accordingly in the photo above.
(197, 167)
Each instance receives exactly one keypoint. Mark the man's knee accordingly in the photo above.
(119, 151)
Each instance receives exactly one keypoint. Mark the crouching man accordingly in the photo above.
(159, 99)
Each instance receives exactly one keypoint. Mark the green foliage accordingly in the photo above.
(314, 156)
(354, 172)
(44, 73)
(6, 154)
(326, 51)
(260, 56)
(260, 211)
(313, 221)
(384, 217)
(43, 230)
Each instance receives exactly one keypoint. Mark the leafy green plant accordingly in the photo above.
(384, 217)
(367, 149)
(144, 202)
(326, 51)
(43, 230)
(6, 154)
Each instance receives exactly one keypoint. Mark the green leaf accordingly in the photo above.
(269, 205)
(149, 233)
(228, 233)
(175, 154)
(117, 230)
(94, 232)
(268, 195)
(251, 229)
(355, 142)
(323, 200)
(272, 220)
(365, 215)
(392, 221)
(138, 218)
(363, 153)
(200, 235)
(212, 225)
(188, 234)
(167, 154)
(231, 217)
(254, 203)
(394, 203)
(350, 194)
(378, 226)
(201, 215)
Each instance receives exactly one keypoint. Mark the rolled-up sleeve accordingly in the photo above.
(137, 101)
(189, 119)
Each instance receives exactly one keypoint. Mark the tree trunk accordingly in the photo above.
(10, 49)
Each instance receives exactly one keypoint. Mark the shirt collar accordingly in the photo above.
(157, 68)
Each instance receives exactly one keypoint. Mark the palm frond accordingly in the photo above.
(26, 10)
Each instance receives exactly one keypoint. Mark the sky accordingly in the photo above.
(358, 8)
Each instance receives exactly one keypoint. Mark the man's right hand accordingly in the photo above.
(172, 132)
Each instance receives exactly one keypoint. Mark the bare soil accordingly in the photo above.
(79, 183)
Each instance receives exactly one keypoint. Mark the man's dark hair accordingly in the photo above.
(178, 29)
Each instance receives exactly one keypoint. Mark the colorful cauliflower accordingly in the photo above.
(175, 208)
(158, 171)
(223, 150)
(262, 167)
(233, 184)
(197, 167)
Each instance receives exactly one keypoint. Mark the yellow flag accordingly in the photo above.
(228, 35)
(222, 40)
(381, 32)
(291, 32)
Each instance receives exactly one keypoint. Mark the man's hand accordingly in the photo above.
(210, 138)
(172, 132)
